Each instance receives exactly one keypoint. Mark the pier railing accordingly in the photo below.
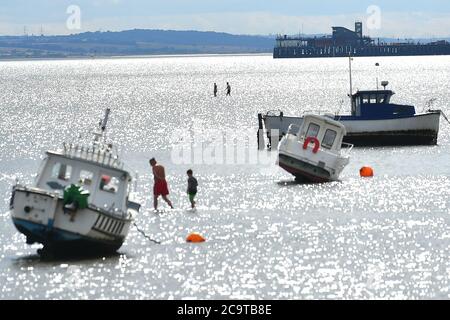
(361, 51)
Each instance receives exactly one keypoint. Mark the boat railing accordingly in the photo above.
(347, 148)
(275, 113)
(114, 213)
(99, 154)
(293, 130)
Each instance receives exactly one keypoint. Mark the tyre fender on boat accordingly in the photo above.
(316, 144)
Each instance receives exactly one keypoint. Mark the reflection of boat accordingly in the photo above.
(321, 162)
(80, 202)
(374, 121)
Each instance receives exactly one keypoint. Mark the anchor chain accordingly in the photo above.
(144, 234)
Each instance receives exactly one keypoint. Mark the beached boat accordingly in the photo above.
(81, 201)
(374, 121)
(313, 151)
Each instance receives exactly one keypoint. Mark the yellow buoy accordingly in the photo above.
(195, 238)
(366, 172)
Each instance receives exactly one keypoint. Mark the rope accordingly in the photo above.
(445, 117)
(145, 236)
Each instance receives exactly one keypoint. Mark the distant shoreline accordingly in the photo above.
(151, 56)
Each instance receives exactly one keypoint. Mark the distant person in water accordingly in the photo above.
(192, 187)
(215, 90)
(228, 89)
(160, 188)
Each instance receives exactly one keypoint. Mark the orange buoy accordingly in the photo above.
(195, 238)
(366, 172)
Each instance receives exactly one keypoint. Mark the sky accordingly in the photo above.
(382, 18)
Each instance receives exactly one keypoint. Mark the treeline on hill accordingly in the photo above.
(135, 42)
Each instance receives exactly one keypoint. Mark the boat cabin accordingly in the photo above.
(327, 131)
(107, 183)
(376, 104)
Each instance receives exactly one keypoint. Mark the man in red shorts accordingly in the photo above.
(160, 188)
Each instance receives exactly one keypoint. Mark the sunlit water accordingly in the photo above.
(267, 237)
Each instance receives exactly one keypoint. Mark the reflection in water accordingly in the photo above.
(267, 237)
(36, 260)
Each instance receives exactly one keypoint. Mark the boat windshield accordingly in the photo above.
(313, 130)
(329, 138)
(109, 184)
(61, 171)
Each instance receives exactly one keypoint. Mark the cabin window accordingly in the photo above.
(313, 130)
(86, 178)
(365, 99)
(62, 171)
(329, 138)
(109, 184)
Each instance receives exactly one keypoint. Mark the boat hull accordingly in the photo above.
(64, 243)
(303, 171)
(421, 129)
(393, 138)
(41, 217)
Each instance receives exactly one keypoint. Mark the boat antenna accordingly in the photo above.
(102, 126)
(350, 59)
(377, 65)
(104, 123)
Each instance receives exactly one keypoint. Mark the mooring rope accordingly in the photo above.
(445, 117)
(144, 234)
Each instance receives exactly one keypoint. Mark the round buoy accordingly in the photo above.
(366, 172)
(195, 238)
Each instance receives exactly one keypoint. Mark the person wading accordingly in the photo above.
(228, 89)
(215, 89)
(192, 187)
(160, 188)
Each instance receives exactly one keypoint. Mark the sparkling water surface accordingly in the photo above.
(267, 237)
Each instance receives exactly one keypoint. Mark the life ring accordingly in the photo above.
(316, 144)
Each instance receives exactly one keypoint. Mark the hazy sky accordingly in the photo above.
(398, 18)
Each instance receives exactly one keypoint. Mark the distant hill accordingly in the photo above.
(140, 42)
(133, 42)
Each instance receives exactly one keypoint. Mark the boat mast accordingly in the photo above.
(102, 126)
(350, 59)
(377, 65)
(105, 120)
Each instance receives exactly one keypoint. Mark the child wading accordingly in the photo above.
(192, 188)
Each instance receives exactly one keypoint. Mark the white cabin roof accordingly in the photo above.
(321, 120)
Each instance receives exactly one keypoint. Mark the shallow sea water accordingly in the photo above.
(267, 237)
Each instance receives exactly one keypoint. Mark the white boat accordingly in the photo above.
(313, 151)
(81, 201)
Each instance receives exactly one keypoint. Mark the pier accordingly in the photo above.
(344, 42)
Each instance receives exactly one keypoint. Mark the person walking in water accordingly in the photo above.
(192, 187)
(160, 188)
(215, 89)
(228, 89)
